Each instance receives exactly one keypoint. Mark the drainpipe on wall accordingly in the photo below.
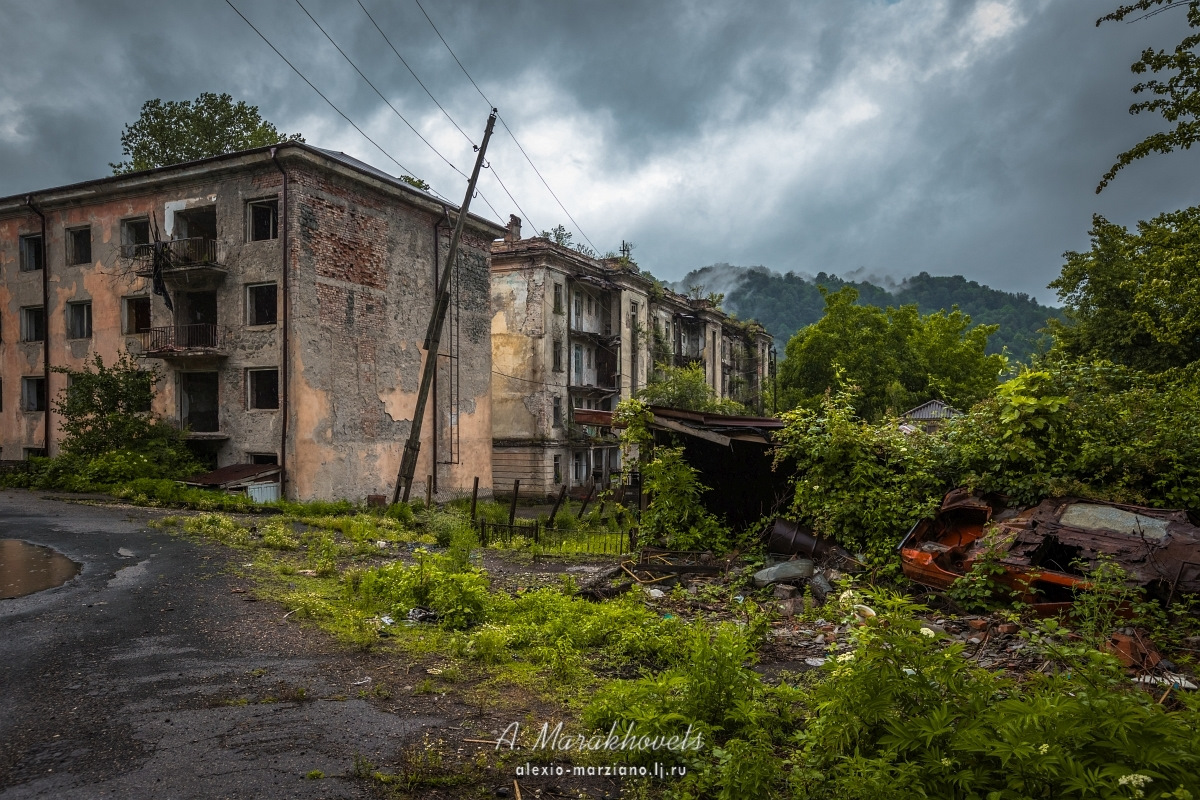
(437, 276)
(286, 360)
(45, 324)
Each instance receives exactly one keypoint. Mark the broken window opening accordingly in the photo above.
(79, 246)
(135, 233)
(262, 220)
(558, 469)
(197, 308)
(31, 253)
(262, 458)
(558, 417)
(558, 298)
(137, 314)
(263, 388)
(558, 355)
(262, 304)
(79, 320)
(196, 223)
(199, 401)
(35, 452)
(33, 394)
(33, 324)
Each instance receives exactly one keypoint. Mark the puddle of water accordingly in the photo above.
(27, 568)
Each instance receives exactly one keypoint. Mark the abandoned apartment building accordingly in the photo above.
(300, 284)
(574, 332)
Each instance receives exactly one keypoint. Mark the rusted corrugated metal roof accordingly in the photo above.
(235, 474)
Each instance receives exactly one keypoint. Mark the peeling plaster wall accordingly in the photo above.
(362, 295)
(108, 279)
(361, 272)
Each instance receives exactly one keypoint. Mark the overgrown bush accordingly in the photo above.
(859, 484)
(675, 514)
(1093, 429)
(459, 595)
(904, 715)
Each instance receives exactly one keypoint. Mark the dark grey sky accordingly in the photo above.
(955, 137)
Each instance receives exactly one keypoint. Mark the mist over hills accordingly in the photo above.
(786, 303)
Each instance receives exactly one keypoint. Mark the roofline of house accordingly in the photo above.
(152, 179)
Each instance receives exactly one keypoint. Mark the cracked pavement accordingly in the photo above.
(148, 676)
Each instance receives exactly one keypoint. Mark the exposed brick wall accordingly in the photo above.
(348, 244)
(341, 307)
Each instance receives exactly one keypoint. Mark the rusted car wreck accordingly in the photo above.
(1045, 549)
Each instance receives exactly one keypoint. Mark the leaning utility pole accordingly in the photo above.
(433, 336)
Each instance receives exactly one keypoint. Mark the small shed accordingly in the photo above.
(259, 481)
(930, 414)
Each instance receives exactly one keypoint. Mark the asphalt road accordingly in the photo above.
(119, 682)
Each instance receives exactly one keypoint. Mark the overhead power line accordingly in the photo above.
(341, 113)
(395, 111)
(506, 128)
(443, 110)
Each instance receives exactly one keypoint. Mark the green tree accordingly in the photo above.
(896, 357)
(687, 389)
(105, 409)
(1134, 298)
(187, 130)
(1176, 99)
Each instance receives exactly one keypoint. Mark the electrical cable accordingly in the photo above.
(341, 113)
(446, 113)
(394, 109)
(510, 133)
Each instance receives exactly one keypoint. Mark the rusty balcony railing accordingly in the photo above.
(180, 253)
(182, 340)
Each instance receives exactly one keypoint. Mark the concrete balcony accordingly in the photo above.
(185, 342)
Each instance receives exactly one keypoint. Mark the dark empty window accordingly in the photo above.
(135, 235)
(263, 220)
(263, 458)
(33, 394)
(198, 401)
(137, 314)
(558, 298)
(79, 246)
(79, 320)
(31, 253)
(261, 304)
(558, 356)
(263, 388)
(558, 469)
(35, 452)
(558, 412)
(33, 324)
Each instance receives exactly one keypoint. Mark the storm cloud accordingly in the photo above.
(951, 137)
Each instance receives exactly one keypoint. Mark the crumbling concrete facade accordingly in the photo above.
(574, 332)
(314, 365)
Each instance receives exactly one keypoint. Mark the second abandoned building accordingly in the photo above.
(302, 283)
(574, 332)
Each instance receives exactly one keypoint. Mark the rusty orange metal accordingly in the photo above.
(1046, 550)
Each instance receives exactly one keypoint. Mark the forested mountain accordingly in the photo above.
(786, 303)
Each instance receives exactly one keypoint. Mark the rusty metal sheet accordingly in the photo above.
(1048, 548)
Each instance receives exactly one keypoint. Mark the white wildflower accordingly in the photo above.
(1044, 749)
(844, 657)
(946, 762)
(928, 632)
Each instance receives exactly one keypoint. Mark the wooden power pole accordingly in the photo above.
(433, 336)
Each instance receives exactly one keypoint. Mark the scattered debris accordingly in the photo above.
(1041, 547)
(787, 571)
(420, 614)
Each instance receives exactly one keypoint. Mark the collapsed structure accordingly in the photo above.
(572, 332)
(281, 293)
(1045, 552)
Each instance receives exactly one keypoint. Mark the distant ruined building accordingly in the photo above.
(571, 332)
